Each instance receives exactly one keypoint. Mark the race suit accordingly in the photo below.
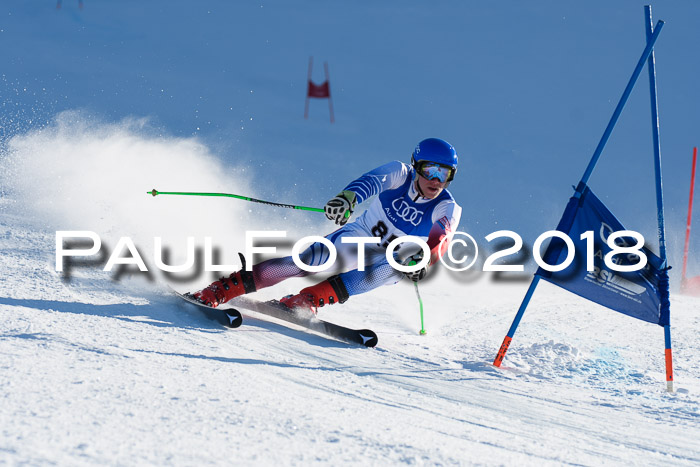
(396, 210)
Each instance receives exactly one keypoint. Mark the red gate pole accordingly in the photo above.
(690, 218)
(330, 99)
(306, 106)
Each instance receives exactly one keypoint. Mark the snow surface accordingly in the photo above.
(101, 369)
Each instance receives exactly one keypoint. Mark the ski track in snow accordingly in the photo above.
(97, 371)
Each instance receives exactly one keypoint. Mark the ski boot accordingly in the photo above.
(311, 298)
(226, 288)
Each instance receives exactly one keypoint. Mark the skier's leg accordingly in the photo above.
(338, 289)
(275, 270)
(376, 275)
(226, 288)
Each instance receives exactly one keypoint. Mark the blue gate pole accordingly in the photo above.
(584, 180)
(521, 311)
(620, 105)
(659, 196)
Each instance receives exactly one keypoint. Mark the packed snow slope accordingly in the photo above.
(112, 369)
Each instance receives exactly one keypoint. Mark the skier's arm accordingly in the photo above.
(448, 215)
(389, 176)
(386, 177)
(440, 230)
(443, 228)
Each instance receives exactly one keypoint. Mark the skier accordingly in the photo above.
(412, 200)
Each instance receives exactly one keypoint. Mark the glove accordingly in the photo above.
(340, 208)
(415, 276)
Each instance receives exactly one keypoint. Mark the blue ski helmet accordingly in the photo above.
(437, 151)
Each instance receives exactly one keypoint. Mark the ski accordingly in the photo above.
(277, 310)
(229, 317)
(232, 318)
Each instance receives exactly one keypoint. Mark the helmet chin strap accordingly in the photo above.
(418, 189)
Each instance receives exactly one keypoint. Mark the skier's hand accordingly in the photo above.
(415, 276)
(340, 208)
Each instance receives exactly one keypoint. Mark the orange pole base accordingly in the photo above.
(502, 351)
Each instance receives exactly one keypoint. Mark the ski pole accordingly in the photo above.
(422, 327)
(155, 192)
(413, 262)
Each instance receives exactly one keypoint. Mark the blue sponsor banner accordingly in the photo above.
(635, 293)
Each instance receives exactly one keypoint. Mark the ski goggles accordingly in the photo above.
(432, 170)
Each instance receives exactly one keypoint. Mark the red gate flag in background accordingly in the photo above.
(318, 91)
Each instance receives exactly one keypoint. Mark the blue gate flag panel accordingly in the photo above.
(639, 294)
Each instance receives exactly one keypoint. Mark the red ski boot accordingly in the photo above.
(311, 298)
(226, 288)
